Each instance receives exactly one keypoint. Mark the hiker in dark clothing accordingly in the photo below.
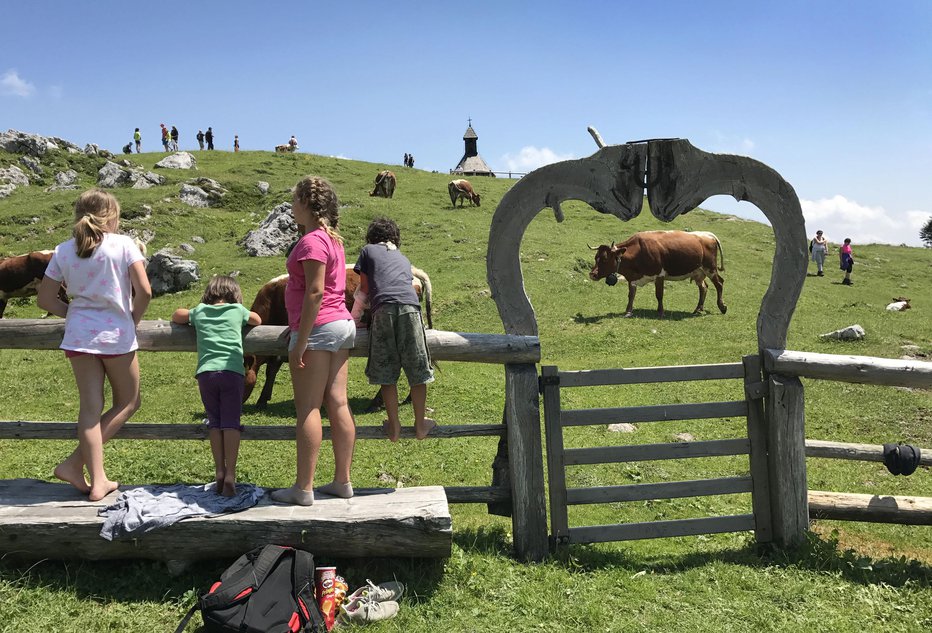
(209, 137)
(174, 138)
(200, 139)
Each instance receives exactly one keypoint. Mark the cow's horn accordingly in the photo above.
(593, 248)
(613, 245)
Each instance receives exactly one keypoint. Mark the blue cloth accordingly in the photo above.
(146, 508)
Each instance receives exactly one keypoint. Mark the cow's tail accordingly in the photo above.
(428, 294)
(721, 253)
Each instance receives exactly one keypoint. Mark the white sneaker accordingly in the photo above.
(391, 590)
(363, 610)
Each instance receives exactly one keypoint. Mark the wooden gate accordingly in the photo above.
(752, 444)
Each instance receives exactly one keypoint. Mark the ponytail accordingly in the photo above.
(95, 213)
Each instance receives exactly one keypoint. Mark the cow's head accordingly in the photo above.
(606, 263)
(475, 198)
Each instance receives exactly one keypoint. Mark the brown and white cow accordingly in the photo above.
(281, 149)
(658, 256)
(21, 275)
(462, 190)
(270, 305)
(384, 184)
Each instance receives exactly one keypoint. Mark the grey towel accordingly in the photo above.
(146, 508)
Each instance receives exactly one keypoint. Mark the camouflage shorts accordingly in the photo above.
(397, 341)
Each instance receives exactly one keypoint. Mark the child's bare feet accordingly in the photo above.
(72, 471)
(229, 488)
(101, 489)
(425, 428)
(392, 431)
(219, 476)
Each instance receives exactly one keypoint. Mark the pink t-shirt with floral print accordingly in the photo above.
(100, 315)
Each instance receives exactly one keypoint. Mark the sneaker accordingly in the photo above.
(820, 273)
(392, 590)
(364, 610)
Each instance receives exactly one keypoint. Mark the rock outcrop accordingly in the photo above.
(17, 142)
(178, 160)
(274, 235)
(169, 273)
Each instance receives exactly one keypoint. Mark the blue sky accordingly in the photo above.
(834, 95)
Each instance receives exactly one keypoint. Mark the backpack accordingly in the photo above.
(269, 589)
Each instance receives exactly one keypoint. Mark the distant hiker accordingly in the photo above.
(138, 138)
(406, 159)
(165, 137)
(411, 161)
(235, 143)
(200, 139)
(209, 137)
(846, 258)
(174, 138)
(818, 247)
(128, 148)
(293, 143)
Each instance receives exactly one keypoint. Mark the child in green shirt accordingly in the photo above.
(218, 321)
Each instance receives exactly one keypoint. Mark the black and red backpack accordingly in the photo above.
(267, 590)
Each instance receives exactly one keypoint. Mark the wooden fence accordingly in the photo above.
(513, 472)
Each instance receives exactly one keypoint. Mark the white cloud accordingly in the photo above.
(11, 84)
(725, 144)
(530, 158)
(841, 218)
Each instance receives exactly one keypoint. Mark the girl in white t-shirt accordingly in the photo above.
(104, 274)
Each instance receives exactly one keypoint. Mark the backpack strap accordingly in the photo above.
(186, 618)
(249, 576)
(303, 584)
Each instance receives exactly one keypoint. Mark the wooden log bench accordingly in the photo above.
(39, 519)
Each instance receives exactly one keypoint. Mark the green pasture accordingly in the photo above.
(848, 577)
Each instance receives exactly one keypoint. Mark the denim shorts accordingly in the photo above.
(328, 337)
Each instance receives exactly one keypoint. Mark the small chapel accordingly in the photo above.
(471, 164)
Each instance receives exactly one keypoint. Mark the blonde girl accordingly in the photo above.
(218, 321)
(105, 277)
(322, 333)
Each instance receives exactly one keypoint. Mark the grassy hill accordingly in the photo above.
(851, 576)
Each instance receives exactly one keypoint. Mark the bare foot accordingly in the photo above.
(101, 489)
(218, 478)
(425, 429)
(72, 472)
(229, 488)
(392, 431)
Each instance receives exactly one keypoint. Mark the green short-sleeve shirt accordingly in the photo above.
(219, 336)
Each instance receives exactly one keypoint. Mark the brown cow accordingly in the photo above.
(656, 256)
(462, 190)
(281, 149)
(270, 305)
(384, 185)
(21, 275)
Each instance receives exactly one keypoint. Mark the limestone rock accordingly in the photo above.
(263, 187)
(13, 175)
(112, 175)
(144, 180)
(194, 196)
(32, 164)
(178, 160)
(622, 427)
(197, 239)
(274, 234)
(169, 273)
(685, 437)
(64, 180)
(187, 248)
(16, 142)
(851, 333)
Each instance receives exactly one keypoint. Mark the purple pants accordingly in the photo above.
(222, 395)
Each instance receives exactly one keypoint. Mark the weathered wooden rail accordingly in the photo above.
(366, 509)
(864, 370)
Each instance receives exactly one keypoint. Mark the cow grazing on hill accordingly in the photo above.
(270, 305)
(21, 275)
(462, 190)
(657, 256)
(281, 149)
(384, 184)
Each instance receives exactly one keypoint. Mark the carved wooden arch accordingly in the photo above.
(678, 178)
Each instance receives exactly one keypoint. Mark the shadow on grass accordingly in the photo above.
(668, 315)
(817, 554)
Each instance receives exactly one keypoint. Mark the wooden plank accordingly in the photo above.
(651, 452)
(665, 490)
(757, 437)
(661, 529)
(476, 494)
(164, 336)
(49, 520)
(556, 471)
(655, 413)
(845, 368)
(639, 375)
(786, 460)
(856, 452)
(529, 503)
(842, 506)
(13, 430)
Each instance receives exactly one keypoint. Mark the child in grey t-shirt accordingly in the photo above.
(396, 333)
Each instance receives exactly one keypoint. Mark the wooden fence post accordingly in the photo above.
(525, 455)
(786, 460)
